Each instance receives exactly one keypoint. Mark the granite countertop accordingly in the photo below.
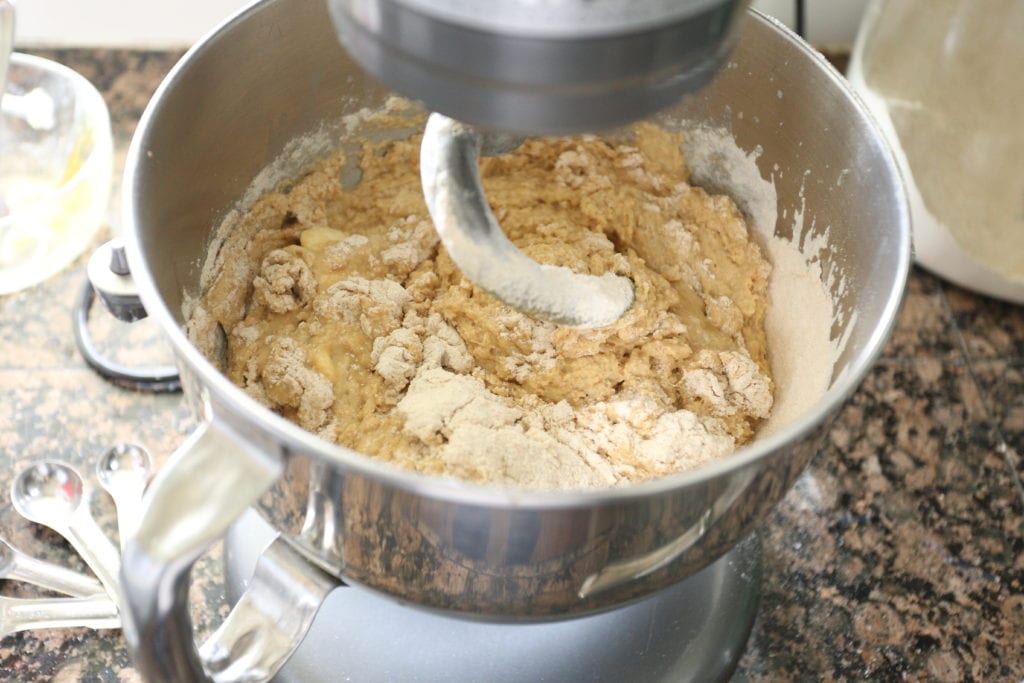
(899, 554)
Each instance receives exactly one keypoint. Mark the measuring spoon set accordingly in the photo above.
(56, 495)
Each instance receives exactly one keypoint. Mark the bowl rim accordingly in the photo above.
(96, 107)
(292, 437)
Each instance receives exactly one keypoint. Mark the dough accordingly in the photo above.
(339, 309)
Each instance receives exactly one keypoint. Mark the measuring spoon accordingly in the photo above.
(123, 472)
(53, 494)
(17, 566)
(22, 614)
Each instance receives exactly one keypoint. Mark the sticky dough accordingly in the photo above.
(339, 309)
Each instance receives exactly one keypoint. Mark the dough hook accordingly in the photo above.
(449, 171)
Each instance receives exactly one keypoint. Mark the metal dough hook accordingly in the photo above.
(449, 171)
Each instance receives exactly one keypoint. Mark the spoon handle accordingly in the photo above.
(128, 502)
(88, 539)
(51, 576)
(21, 614)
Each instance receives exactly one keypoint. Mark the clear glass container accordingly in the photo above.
(945, 78)
(56, 159)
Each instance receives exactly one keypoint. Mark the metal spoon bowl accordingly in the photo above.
(47, 490)
(125, 461)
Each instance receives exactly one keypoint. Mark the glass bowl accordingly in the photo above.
(943, 80)
(56, 159)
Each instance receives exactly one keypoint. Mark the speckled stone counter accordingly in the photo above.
(898, 555)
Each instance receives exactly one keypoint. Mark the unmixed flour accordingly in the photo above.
(340, 311)
(803, 289)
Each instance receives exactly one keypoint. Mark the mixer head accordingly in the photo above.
(540, 66)
(537, 67)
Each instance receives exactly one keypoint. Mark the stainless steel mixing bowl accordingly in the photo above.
(276, 72)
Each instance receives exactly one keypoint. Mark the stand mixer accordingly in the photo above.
(523, 67)
(264, 90)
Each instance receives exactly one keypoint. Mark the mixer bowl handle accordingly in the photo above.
(208, 482)
(271, 618)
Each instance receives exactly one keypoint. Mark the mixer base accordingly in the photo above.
(694, 631)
